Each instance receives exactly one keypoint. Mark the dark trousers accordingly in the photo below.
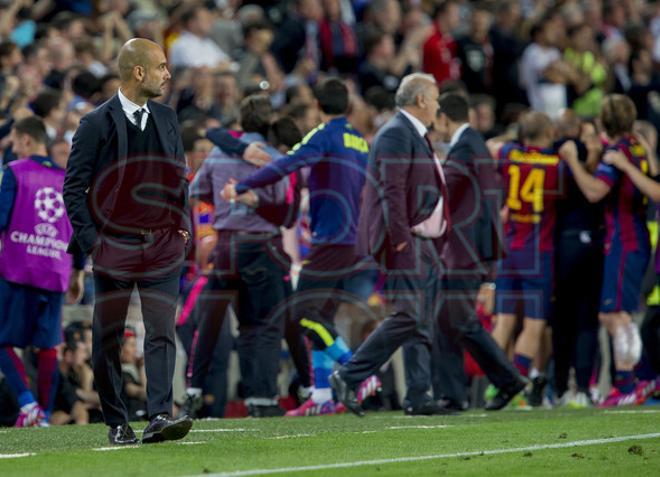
(579, 271)
(249, 275)
(153, 264)
(216, 378)
(414, 294)
(295, 341)
(457, 329)
(650, 332)
(331, 274)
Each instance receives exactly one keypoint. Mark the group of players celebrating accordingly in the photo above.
(578, 248)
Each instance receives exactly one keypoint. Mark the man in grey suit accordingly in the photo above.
(472, 248)
(403, 222)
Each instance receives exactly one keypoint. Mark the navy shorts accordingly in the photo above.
(29, 316)
(622, 280)
(525, 284)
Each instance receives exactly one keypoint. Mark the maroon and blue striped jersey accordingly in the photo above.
(532, 178)
(626, 205)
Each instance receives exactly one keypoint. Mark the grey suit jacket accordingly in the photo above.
(402, 189)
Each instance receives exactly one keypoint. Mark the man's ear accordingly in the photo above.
(138, 72)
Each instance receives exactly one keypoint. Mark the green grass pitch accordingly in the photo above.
(621, 442)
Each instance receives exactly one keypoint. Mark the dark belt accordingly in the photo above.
(141, 232)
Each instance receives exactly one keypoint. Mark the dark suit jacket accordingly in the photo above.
(99, 142)
(402, 189)
(475, 199)
(289, 41)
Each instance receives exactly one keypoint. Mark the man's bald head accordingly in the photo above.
(136, 52)
(142, 69)
(536, 127)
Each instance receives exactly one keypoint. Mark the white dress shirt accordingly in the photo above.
(130, 107)
(419, 126)
(457, 134)
(435, 225)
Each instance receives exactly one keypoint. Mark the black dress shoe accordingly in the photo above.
(430, 408)
(164, 428)
(345, 394)
(451, 405)
(535, 397)
(504, 396)
(122, 435)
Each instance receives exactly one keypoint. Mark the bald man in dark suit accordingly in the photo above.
(126, 194)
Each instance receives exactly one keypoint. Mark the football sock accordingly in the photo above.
(339, 351)
(322, 368)
(14, 371)
(624, 381)
(319, 396)
(48, 375)
(194, 392)
(523, 363)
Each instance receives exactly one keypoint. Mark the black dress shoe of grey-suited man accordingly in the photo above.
(504, 396)
(430, 408)
(452, 405)
(345, 394)
(122, 435)
(164, 428)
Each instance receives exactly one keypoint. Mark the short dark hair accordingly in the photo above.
(190, 135)
(284, 132)
(85, 84)
(379, 98)
(332, 95)
(256, 112)
(442, 7)
(296, 109)
(292, 92)
(372, 38)
(191, 13)
(7, 48)
(33, 127)
(47, 100)
(455, 106)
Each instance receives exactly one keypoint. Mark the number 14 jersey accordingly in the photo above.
(533, 183)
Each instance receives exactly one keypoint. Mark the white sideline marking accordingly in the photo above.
(16, 456)
(641, 411)
(391, 428)
(292, 436)
(439, 426)
(191, 443)
(398, 460)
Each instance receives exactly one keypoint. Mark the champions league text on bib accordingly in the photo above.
(33, 247)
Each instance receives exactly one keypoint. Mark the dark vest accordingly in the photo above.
(142, 201)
